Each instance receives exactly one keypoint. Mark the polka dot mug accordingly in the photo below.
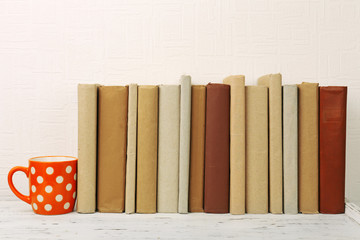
(52, 182)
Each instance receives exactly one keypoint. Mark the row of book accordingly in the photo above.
(217, 148)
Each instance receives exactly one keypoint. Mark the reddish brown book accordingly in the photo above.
(332, 149)
(217, 149)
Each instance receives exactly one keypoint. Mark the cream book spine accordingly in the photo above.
(308, 147)
(237, 143)
(290, 148)
(184, 154)
(256, 149)
(87, 140)
(168, 149)
(130, 183)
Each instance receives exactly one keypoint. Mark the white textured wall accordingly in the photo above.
(48, 47)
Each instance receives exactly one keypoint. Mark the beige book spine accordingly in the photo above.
(168, 159)
(237, 143)
(130, 183)
(147, 142)
(184, 155)
(308, 147)
(290, 147)
(256, 149)
(273, 82)
(87, 138)
(112, 131)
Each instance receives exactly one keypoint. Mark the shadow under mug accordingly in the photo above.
(52, 182)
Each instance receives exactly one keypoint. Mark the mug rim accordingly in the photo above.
(69, 159)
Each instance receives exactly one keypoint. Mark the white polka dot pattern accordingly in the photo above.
(52, 188)
(40, 198)
(39, 179)
(66, 205)
(48, 189)
(59, 198)
(48, 207)
(49, 170)
(59, 179)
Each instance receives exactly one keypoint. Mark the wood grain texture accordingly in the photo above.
(19, 222)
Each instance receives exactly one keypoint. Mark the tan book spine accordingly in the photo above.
(273, 82)
(112, 134)
(237, 143)
(184, 154)
(197, 149)
(290, 147)
(147, 142)
(87, 138)
(169, 136)
(256, 149)
(308, 147)
(130, 183)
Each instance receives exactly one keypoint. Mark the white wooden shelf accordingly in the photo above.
(17, 221)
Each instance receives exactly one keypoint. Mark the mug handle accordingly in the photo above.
(11, 185)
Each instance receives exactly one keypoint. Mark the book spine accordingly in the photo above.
(197, 149)
(256, 149)
(87, 138)
(130, 183)
(237, 143)
(308, 147)
(217, 149)
(290, 147)
(332, 149)
(112, 131)
(184, 154)
(147, 142)
(168, 162)
(273, 82)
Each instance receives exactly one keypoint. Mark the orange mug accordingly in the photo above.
(52, 182)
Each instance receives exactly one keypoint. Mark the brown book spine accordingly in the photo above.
(112, 134)
(197, 152)
(217, 149)
(332, 149)
(308, 136)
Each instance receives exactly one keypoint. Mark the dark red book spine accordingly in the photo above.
(217, 149)
(332, 134)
